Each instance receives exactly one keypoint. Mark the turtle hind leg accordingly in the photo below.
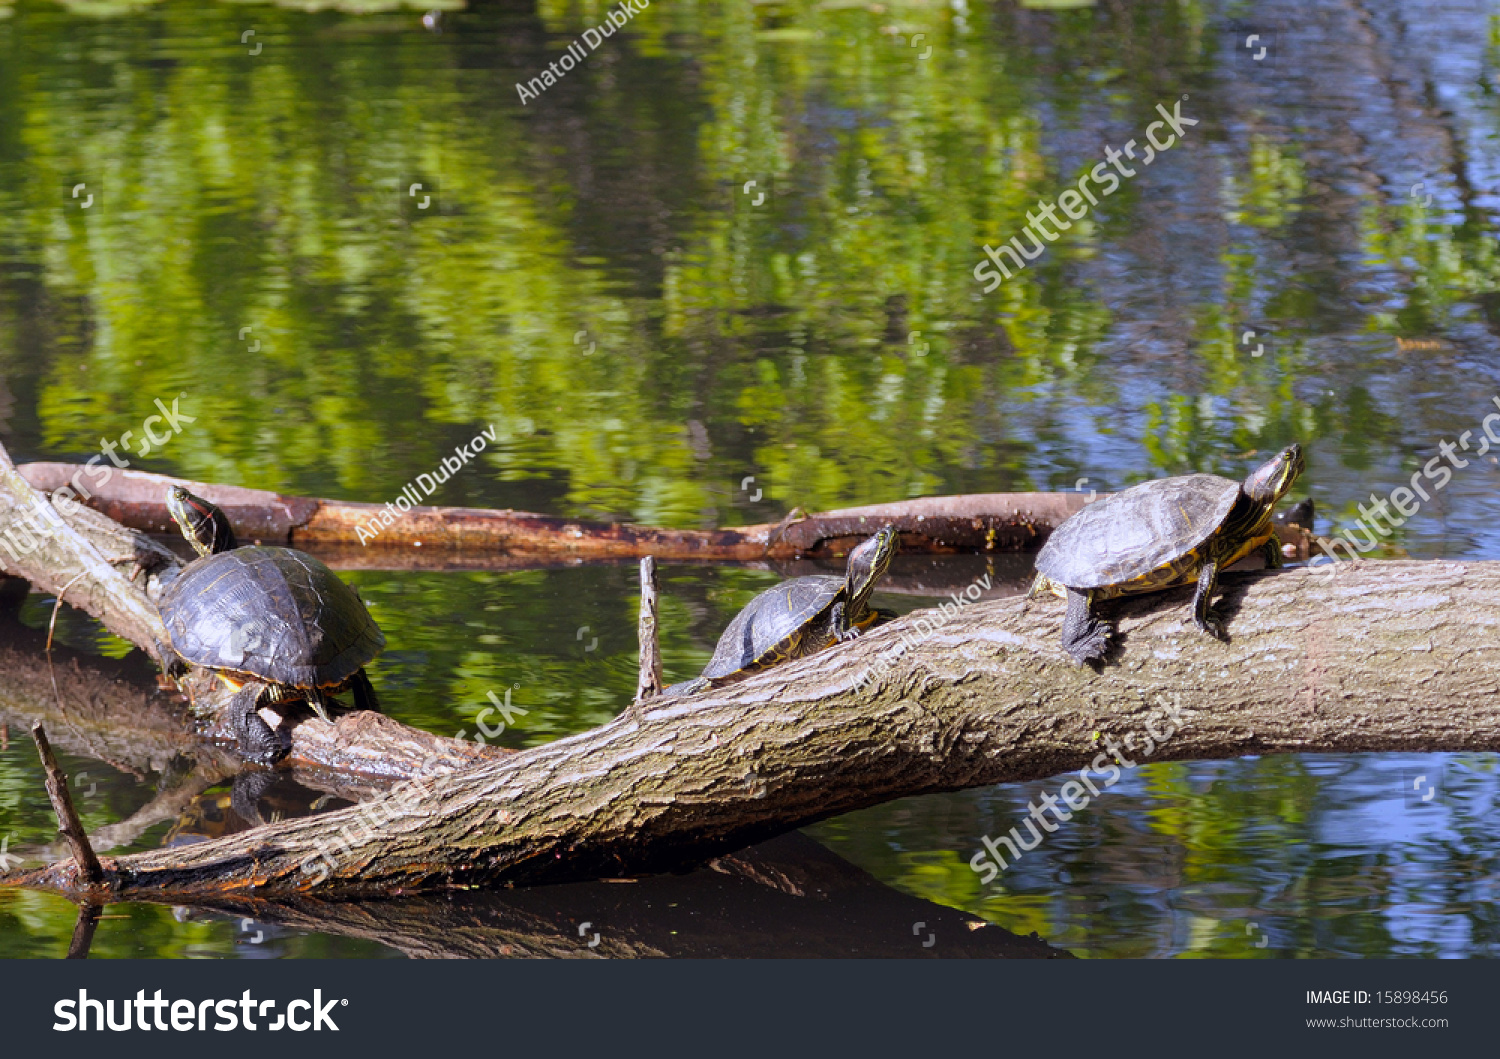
(259, 742)
(1204, 615)
(319, 703)
(1084, 635)
(1041, 583)
(364, 693)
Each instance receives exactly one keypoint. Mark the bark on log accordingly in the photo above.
(797, 892)
(1369, 656)
(52, 555)
(977, 522)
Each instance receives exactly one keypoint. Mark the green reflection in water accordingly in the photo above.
(592, 278)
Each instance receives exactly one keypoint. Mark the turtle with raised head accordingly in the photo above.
(274, 624)
(800, 617)
(1158, 535)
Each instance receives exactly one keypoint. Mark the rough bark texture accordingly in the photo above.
(55, 556)
(1371, 656)
(790, 894)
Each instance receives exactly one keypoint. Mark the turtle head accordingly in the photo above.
(868, 564)
(1269, 482)
(205, 526)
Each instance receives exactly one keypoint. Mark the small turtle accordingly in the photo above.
(1157, 535)
(799, 617)
(274, 624)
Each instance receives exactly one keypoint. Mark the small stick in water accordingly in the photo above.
(68, 824)
(56, 606)
(649, 684)
(83, 932)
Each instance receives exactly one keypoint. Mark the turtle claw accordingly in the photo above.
(1213, 625)
(319, 708)
(1093, 647)
(258, 741)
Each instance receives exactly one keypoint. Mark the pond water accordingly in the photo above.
(724, 267)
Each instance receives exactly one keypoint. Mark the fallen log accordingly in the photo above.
(942, 524)
(40, 546)
(795, 891)
(85, 558)
(1394, 656)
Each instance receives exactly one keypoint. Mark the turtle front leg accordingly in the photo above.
(1085, 636)
(171, 662)
(259, 742)
(838, 620)
(1272, 551)
(1203, 613)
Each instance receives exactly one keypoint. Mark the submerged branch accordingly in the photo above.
(85, 862)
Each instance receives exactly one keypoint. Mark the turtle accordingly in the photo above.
(1155, 536)
(800, 617)
(275, 625)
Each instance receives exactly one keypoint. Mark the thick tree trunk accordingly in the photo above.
(1369, 656)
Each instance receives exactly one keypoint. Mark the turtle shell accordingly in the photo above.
(1128, 535)
(773, 622)
(274, 614)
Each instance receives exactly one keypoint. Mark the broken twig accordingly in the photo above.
(648, 686)
(68, 824)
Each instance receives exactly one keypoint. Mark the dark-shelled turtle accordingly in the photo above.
(274, 624)
(1156, 535)
(799, 617)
